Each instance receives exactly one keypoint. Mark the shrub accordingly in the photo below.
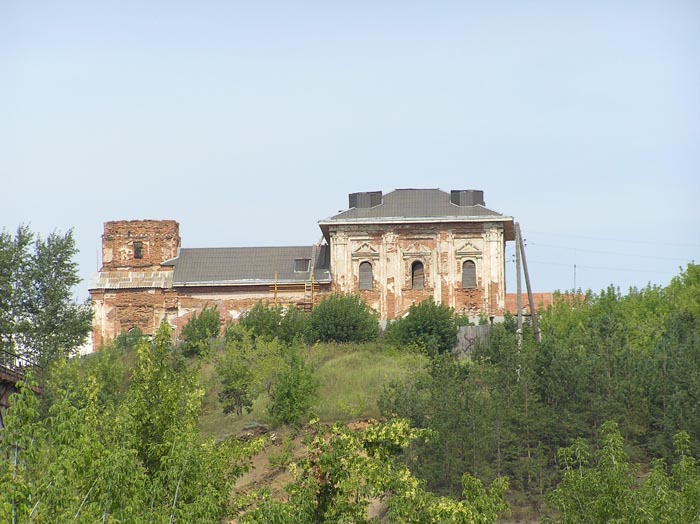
(262, 321)
(294, 325)
(343, 318)
(200, 331)
(268, 322)
(295, 390)
(428, 325)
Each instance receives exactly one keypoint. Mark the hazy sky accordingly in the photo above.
(250, 121)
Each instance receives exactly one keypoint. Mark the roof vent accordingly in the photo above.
(366, 199)
(467, 197)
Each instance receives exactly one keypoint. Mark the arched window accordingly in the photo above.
(469, 274)
(417, 275)
(366, 277)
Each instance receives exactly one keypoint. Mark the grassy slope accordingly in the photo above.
(351, 376)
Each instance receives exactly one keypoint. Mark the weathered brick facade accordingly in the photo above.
(442, 249)
(412, 245)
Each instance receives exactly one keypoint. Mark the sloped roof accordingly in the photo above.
(417, 205)
(248, 265)
(131, 279)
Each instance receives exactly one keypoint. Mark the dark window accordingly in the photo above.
(469, 275)
(301, 265)
(366, 277)
(417, 275)
(138, 249)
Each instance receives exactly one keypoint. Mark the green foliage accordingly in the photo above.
(484, 417)
(267, 321)
(200, 332)
(673, 382)
(606, 487)
(428, 325)
(343, 318)
(295, 389)
(127, 340)
(294, 326)
(251, 366)
(684, 291)
(344, 470)
(248, 367)
(352, 377)
(262, 321)
(107, 453)
(38, 317)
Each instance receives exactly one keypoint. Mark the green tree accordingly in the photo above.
(344, 470)
(268, 321)
(200, 332)
(294, 325)
(428, 325)
(248, 367)
(134, 456)
(606, 487)
(38, 318)
(343, 318)
(294, 390)
(262, 321)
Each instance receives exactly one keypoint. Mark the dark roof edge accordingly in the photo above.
(408, 220)
(219, 283)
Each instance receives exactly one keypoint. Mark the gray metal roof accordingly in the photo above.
(416, 205)
(131, 279)
(248, 265)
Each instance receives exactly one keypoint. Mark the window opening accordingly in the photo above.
(138, 249)
(301, 265)
(366, 277)
(469, 274)
(417, 275)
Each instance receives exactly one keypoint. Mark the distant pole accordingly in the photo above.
(275, 288)
(574, 278)
(312, 290)
(519, 301)
(533, 312)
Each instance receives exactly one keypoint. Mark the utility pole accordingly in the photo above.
(533, 312)
(519, 302)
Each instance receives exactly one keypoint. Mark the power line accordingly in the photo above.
(608, 239)
(600, 251)
(605, 268)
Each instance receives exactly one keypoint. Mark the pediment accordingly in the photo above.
(365, 250)
(416, 250)
(470, 247)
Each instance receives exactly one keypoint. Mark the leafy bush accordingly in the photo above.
(344, 470)
(295, 390)
(295, 325)
(428, 325)
(606, 487)
(262, 320)
(200, 331)
(108, 454)
(248, 368)
(269, 322)
(127, 340)
(343, 318)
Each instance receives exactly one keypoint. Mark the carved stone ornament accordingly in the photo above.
(365, 251)
(469, 249)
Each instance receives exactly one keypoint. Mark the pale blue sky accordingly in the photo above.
(250, 121)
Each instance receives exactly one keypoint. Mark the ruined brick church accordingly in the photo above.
(393, 249)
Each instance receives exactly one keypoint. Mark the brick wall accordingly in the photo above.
(155, 240)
